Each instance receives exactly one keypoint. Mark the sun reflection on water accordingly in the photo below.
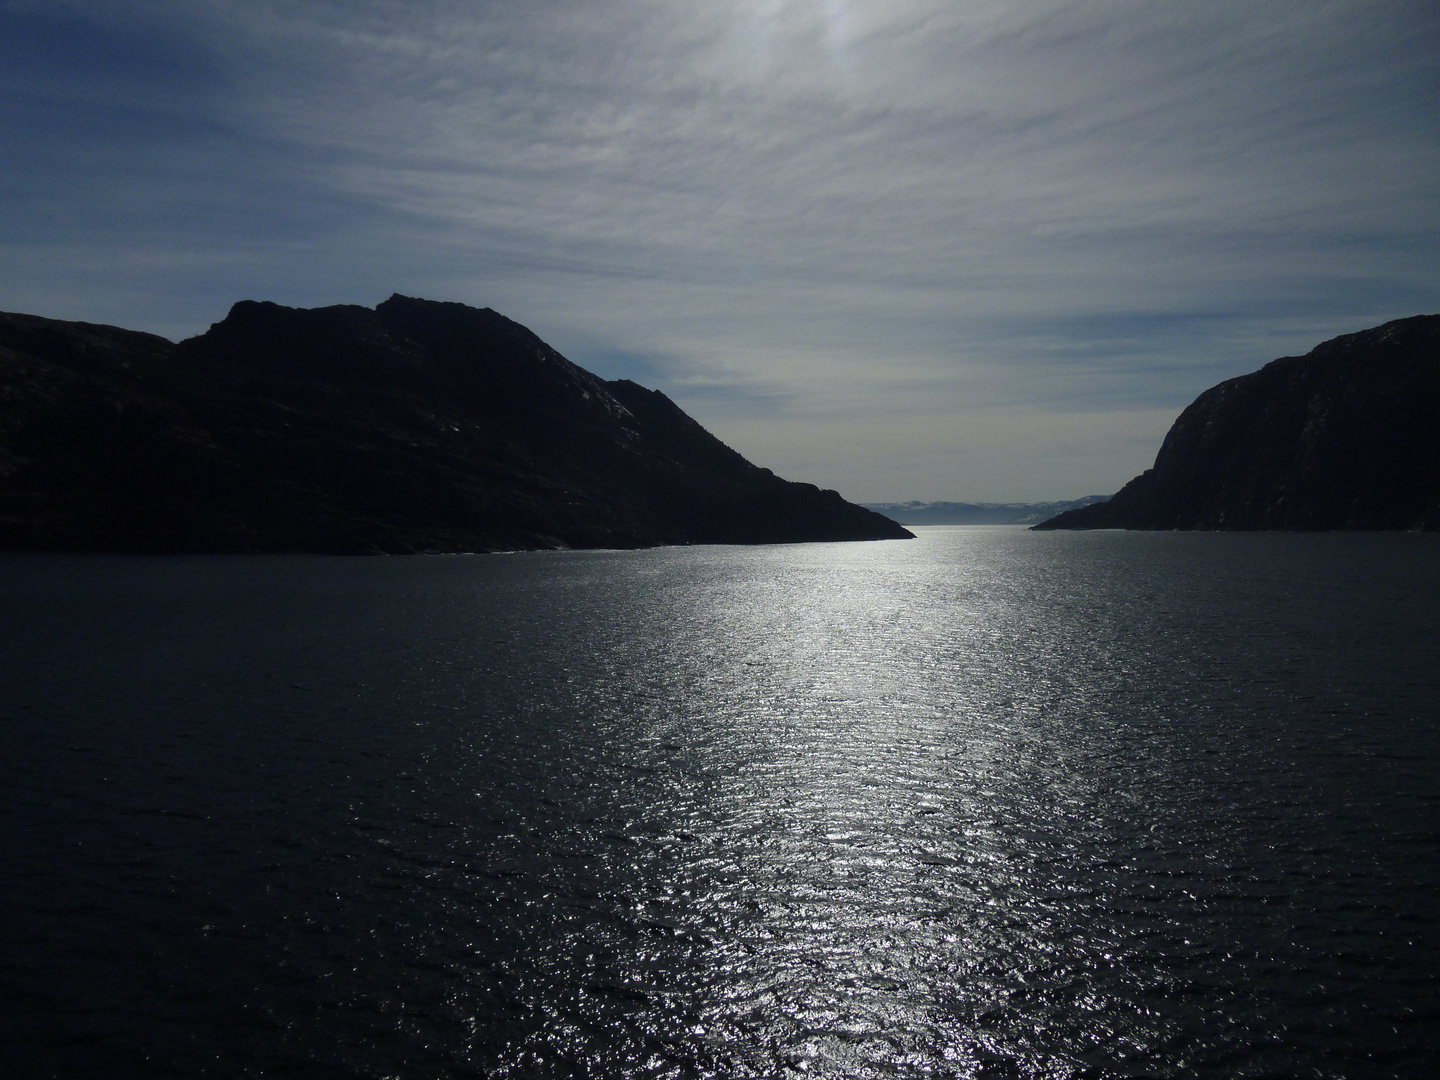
(987, 803)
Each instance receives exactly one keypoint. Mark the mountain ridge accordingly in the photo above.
(986, 513)
(413, 426)
(1344, 437)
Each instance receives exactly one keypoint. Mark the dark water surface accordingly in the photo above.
(987, 803)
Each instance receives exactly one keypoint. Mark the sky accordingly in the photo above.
(911, 249)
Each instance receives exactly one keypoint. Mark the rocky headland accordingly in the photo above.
(1345, 437)
(414, 427)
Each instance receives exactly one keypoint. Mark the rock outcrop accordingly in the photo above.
(416, 426)
(1345, 437)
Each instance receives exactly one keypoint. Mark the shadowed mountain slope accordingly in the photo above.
(1345, 437)
(416, 426)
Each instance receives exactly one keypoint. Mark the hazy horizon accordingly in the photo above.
(909, 251)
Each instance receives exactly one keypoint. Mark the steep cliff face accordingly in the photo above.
(416, 426)
(1345, 437)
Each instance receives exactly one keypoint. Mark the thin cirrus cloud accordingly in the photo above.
(910, 250)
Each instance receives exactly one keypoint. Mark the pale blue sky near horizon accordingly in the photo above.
(909, 250)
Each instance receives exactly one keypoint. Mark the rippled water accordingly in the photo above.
(987, 803)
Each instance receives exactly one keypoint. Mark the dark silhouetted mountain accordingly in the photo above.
(951, 513)
(1345, 437)
(418, 426)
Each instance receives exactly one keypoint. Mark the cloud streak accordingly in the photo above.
(815, 222)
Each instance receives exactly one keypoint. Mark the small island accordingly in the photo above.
(416, 426)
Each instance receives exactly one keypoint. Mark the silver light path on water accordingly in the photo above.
(990, 802)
